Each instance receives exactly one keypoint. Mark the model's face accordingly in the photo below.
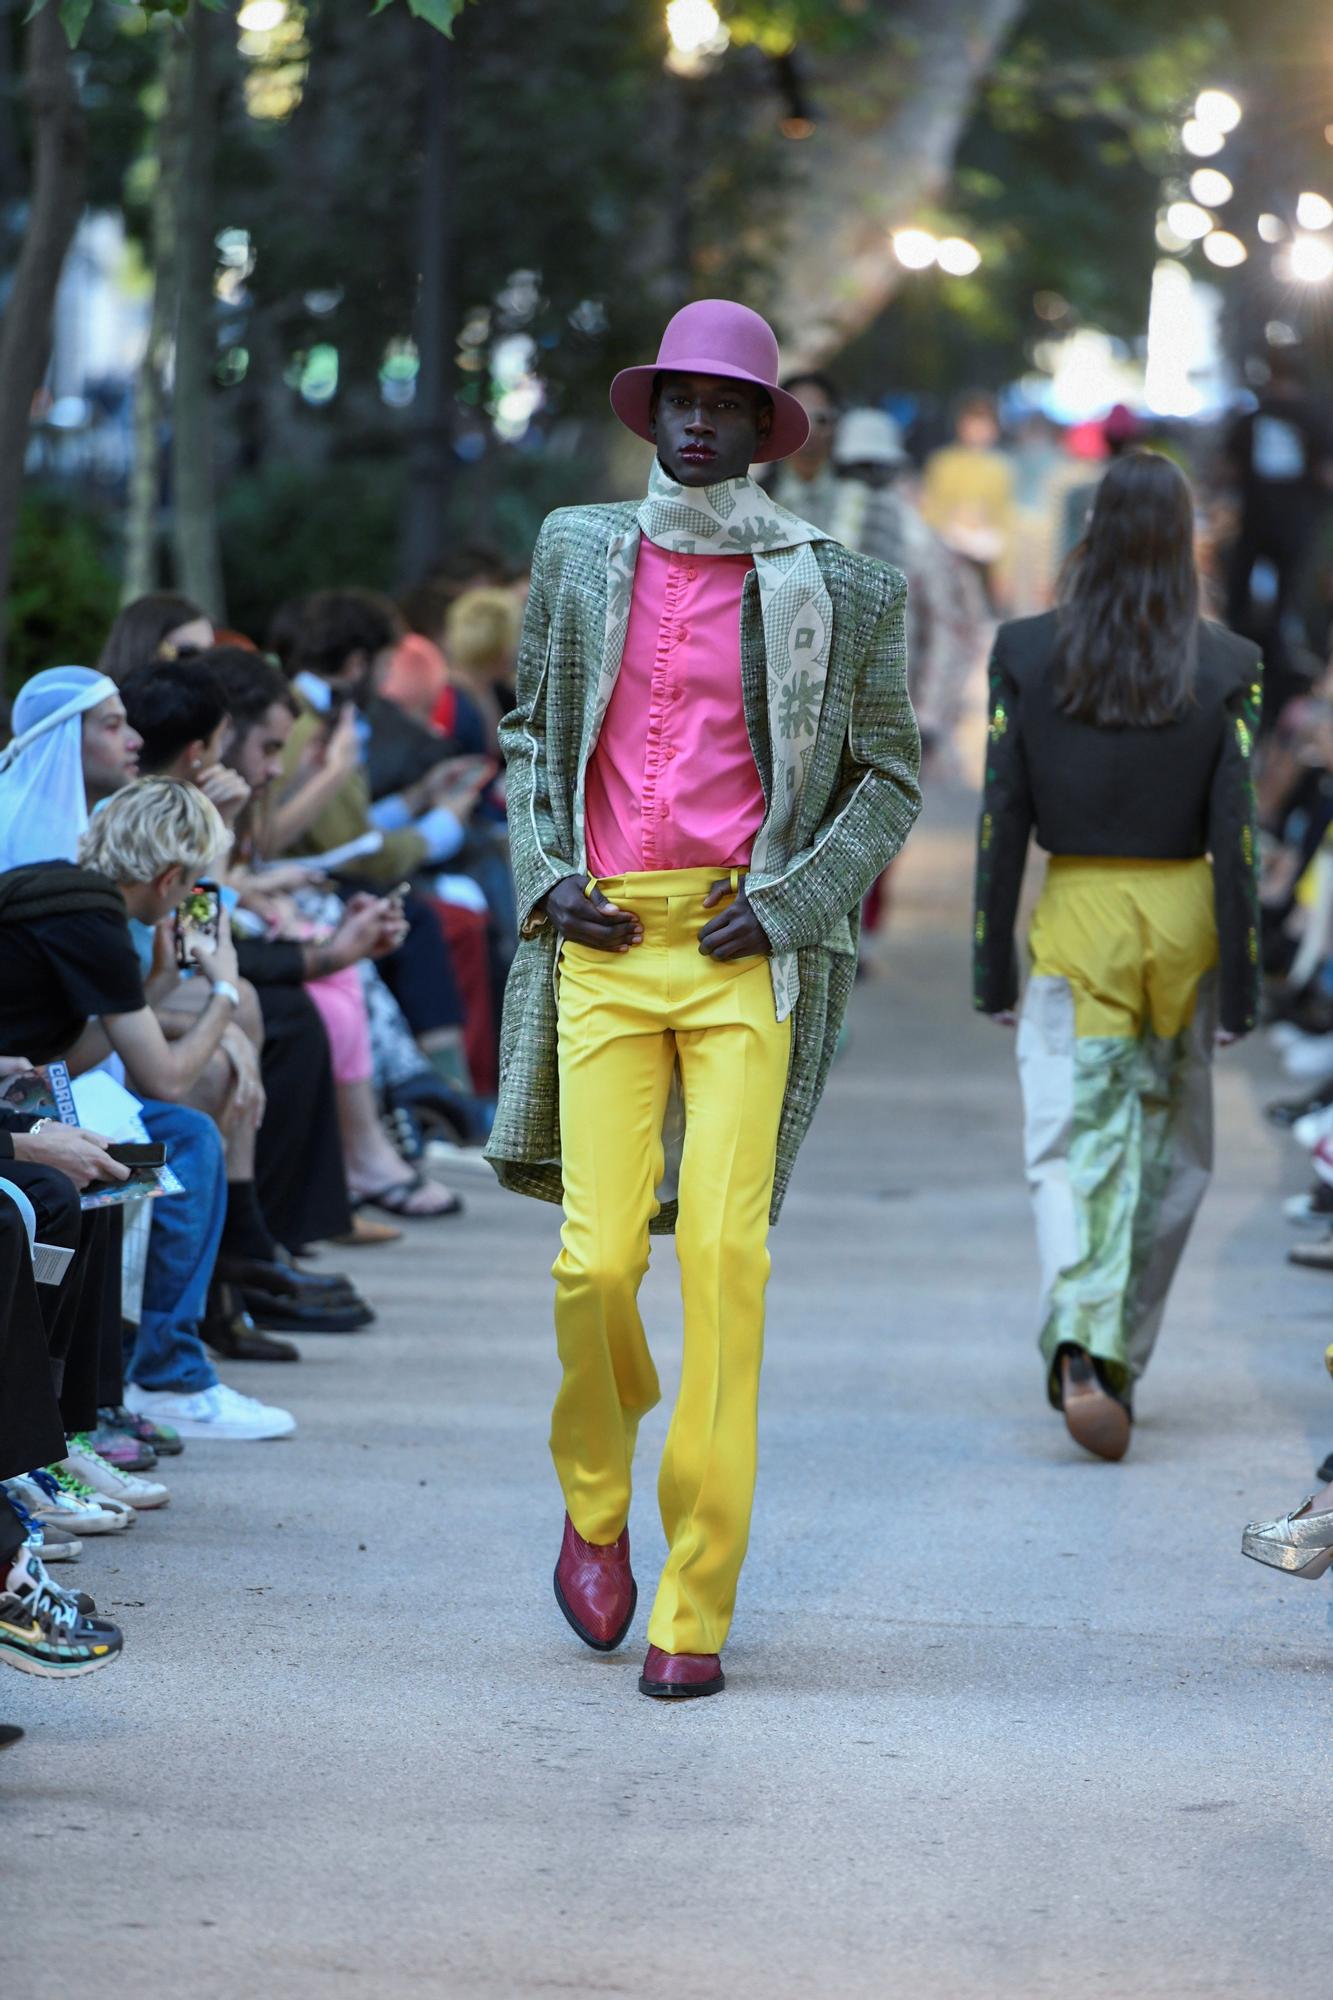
(257, 751)
(110, 749)
(707, 428)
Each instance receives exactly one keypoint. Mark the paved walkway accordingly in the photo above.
(1001, 1721)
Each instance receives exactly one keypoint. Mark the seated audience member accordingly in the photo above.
(344, 644)
(481, 634)
(284, 1179)
(72, 747)
(261, 711)
(47, 1161)
(177, 710)
(42, 1628)
(415, 678)
(71, 986)
(326, 802)
(161, 626)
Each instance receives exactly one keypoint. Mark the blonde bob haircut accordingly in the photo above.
(150, 826)
(481, 631)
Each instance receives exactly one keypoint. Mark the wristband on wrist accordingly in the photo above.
(224, 990)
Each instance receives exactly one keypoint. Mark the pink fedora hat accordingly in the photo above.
(716, 337)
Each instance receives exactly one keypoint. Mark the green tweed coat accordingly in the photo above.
(858, 803)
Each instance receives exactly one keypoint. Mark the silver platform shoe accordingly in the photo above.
(1301, 1542)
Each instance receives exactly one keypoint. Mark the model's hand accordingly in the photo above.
(1006, 1018)
(737, 933)
(589, 918)
(82, 1155)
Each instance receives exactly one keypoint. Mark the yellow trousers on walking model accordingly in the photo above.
(627, 1022)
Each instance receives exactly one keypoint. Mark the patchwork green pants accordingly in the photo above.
(1115, 1061)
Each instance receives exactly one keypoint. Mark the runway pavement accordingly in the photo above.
(1001, 1721)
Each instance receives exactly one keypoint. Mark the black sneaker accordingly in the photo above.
(10, 1733)
(43, 1632)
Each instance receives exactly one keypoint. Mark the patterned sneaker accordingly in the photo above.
(78, 1489)
(108, 1481)
(50, 1543)
(161, 1438)
(53, 1499)
(43, 1632)
(56, 1545)
(121, 1449)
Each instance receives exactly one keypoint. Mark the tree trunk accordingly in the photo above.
(194, 519)
(59, 141)
(884, 147)
(431, 468)
(143, 526)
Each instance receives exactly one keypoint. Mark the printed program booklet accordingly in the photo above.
(106, 1107)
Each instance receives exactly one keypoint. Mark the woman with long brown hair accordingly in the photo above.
(1121, 730)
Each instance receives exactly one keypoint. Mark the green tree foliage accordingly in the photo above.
(63, 594)
(1058, 180)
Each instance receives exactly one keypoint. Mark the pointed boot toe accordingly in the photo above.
(681, 1676)
(595, 1588)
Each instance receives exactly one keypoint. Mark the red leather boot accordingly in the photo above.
(681, 1676)
(595, 1588)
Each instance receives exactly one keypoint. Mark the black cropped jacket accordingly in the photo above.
(1171, 793)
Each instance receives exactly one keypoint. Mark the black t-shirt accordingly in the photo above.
(1281, 448)
(57, 974)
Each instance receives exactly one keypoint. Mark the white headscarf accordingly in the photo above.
(43, 806)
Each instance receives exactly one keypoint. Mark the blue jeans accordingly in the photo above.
(182, 1250)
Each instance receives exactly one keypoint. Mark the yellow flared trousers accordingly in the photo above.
(627, 1021)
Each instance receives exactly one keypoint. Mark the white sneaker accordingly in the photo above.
(1300, 1210)
(218, 1412)
(108, 1481)
(83, 1513)
(1312, 1126)
(1310, 1059)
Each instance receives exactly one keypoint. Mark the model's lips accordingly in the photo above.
(700, 451)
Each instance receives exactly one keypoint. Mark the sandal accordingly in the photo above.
(395, 1198)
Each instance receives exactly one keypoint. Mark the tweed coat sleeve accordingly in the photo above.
(533, 841)
(873, 805)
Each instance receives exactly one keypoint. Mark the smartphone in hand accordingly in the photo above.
(199, 916)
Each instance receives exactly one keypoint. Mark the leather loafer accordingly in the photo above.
(305, 1315)
(233, 1336)
(595, 1588)
(281, 1282)
(681, 1676)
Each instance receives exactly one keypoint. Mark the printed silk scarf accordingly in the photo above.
(736, 517)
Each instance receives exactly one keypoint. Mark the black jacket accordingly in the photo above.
(1167, 794)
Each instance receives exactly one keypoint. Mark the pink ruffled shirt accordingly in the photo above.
(672, 782)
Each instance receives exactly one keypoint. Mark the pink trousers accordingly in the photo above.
(342, 1006)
